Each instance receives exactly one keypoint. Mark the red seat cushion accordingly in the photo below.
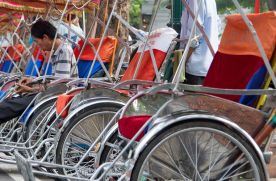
(129, 126)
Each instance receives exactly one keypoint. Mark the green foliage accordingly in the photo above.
(135, 13)
(227, 5)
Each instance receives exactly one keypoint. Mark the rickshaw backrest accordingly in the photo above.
(160, 41)
(14, 51)
(8, 65)
(238, 63)
(49, 70)
(88, 55)
(30, 67)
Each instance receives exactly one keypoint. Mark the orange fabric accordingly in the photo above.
(106, 51)
(64, 99)
(62, 102)
(13, 53)
(238, 40)
(146, 71)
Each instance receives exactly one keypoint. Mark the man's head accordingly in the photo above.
(43, 33)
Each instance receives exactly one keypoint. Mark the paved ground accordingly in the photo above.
(272, 168)
(8, 172)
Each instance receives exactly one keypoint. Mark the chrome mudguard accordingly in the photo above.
(90, 95)
(88, 104)
(36, 107)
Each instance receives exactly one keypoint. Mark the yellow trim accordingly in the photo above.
(263, 98)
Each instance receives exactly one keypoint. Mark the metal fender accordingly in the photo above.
(36, 107)
(88, 104)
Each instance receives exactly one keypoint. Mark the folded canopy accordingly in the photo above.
(8, 22)
(38, 6)
(16, 6)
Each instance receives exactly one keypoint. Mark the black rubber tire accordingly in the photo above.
(172, 130)
(105, 152)
(75, 120)
(33, 118)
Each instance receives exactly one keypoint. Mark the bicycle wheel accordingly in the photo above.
(34, 128)
(79, 135)
(198, 151)
(112, 149)
(7, 128)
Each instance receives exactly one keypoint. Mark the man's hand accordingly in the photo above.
(22, 88)
(28, 89)
(25, 81)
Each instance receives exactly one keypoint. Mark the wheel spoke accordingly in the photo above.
(168, 168)
(78, 140)
(208, 154)
(183, 145)
(91, 141)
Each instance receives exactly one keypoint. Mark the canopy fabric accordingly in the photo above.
(238, 40)
(38, 6)
(77, 3)
(8, 22)
(12, 5)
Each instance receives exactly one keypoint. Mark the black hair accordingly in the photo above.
(41, 28)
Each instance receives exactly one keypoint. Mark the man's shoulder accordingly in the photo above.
(66, 47)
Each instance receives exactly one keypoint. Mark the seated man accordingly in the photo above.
(63, 61)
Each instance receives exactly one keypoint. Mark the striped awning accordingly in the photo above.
(14, 6)
(39, 6)
(8, 22)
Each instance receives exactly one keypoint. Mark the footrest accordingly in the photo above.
(24, 167)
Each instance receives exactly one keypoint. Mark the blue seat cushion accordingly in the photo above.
(256, 82)
(30, 69)
(7, 66)
(49, 71)
(84, 67)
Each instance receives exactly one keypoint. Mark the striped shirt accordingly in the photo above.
(64, 62)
